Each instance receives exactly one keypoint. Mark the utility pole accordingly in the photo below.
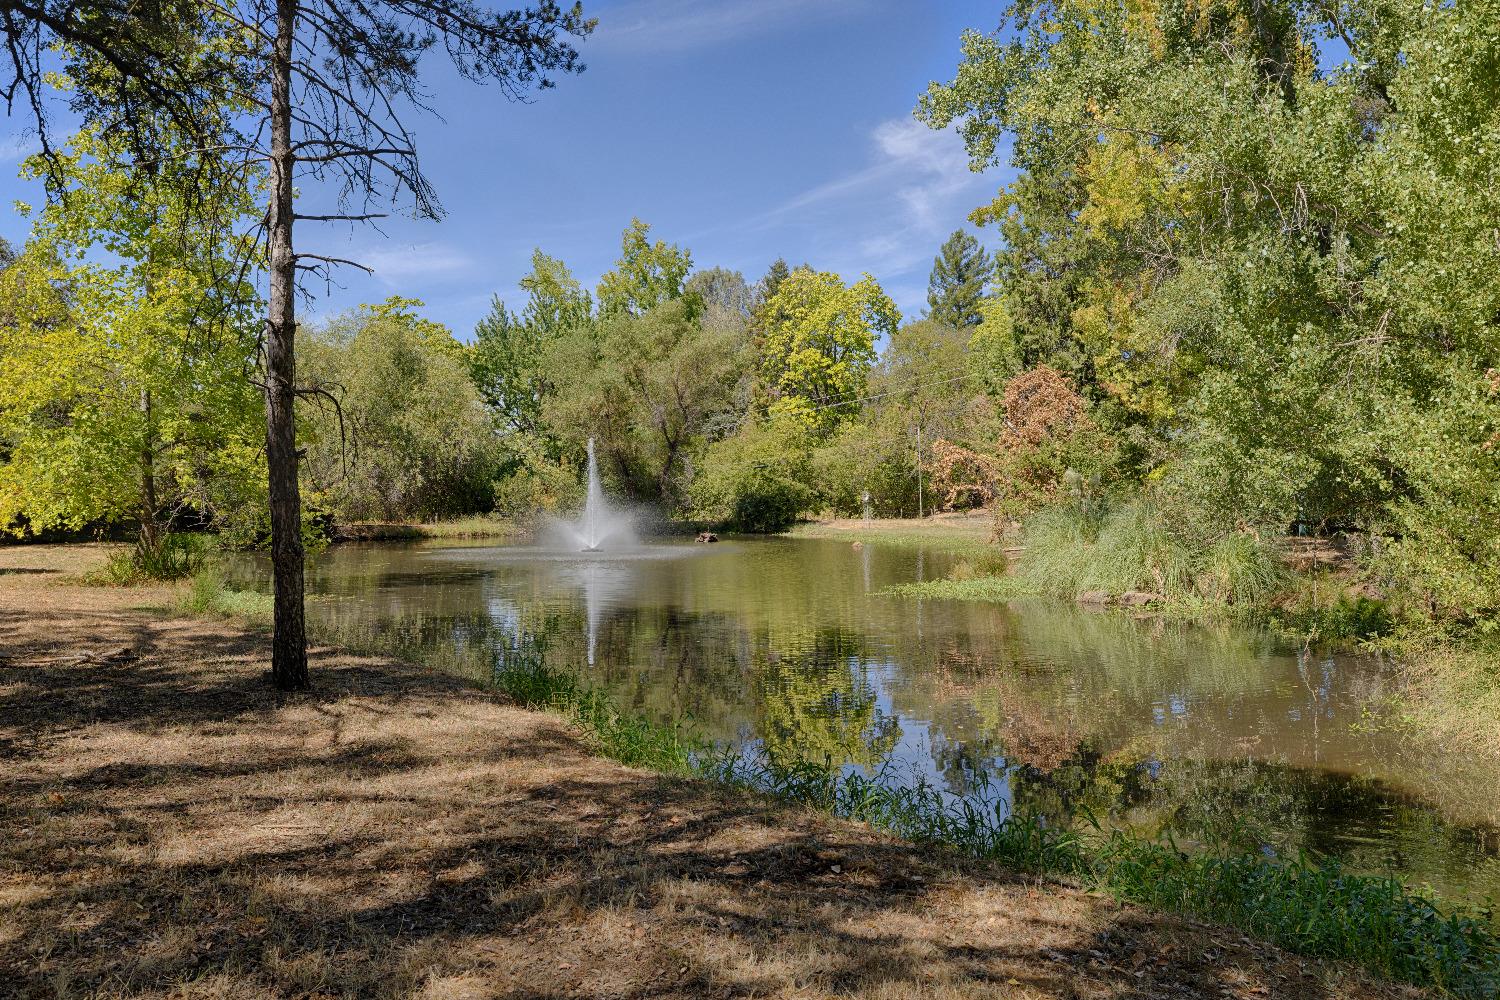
(920, 513)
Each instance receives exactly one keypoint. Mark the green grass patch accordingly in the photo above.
(981, 588)
(478, 526)
(208, 595)
(965, 537)
(628, 738)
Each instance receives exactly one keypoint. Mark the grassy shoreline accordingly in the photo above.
(1314, 909)
(962, 533)
(479, 526)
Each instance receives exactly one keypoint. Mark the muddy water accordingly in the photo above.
(789, 645)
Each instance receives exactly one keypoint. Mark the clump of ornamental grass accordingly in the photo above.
(1071, 549)
(1058, 542)
(175, 556)
(1136, 551)
(1240, 568)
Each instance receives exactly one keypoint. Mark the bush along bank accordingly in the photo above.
(1128, 554)
(1307, 906)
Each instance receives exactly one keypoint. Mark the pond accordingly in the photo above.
(790, 646)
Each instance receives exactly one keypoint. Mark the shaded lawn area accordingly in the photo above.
(175, 827)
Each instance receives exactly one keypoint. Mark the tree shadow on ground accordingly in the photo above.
(176, 826)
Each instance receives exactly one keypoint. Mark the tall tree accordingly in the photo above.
(955, 290)
(817, 343)
(140, 66)
(337, 75)
(411, 437)
(126, 348)
(646, 275)
(771, 281)
(509, 348)
(328, 86)
(725, 297)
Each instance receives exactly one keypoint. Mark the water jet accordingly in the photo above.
(598, 522)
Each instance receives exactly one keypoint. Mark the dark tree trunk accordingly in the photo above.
(289, 641)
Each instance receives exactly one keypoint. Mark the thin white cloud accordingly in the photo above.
(17, 146)
(889, 216)
(679, 25)
(419, 261)
(917, 168)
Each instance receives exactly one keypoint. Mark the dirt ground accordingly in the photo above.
(174, 827)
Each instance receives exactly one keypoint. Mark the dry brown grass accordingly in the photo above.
(173, 827)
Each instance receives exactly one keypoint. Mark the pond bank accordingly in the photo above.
(394, 531)
(962, 531)
(178, 825)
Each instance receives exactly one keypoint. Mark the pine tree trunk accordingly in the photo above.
(289, 641)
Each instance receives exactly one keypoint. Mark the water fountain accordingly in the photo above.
(599, 522)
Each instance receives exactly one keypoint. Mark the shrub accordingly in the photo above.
(175, 555)
(964, 477)
(1051, 450)
(756, 480)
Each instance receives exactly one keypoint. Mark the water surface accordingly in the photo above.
(788, 645)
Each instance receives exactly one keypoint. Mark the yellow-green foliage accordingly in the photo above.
(410, 436)
(819, 343)
(125, 353)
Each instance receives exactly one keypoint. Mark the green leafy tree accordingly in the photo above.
(410, 436)
(817, 344)
(646, 388)
(555, 300)
(646, 275)
(126, 345)
(725, 298)
(1271, 279)
(508, 352)
(770, 282)
(757, 480)
(956, 288)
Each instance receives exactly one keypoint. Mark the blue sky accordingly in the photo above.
(741, 129)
